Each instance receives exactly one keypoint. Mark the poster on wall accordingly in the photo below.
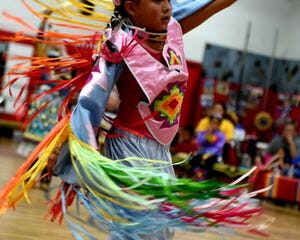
(207, 97)
(221, 63)
(256, 71)
(250, 98)
(10, 105)
(222, 88)
(283, 108)
(208, 86)
(254, 94)
(286, 74)
(206, 100)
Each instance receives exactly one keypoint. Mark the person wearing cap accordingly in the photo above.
(210, 143)
(226, 126)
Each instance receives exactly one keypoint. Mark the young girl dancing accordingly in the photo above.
(131, 191)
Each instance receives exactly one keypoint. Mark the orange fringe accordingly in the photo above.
(6, 198)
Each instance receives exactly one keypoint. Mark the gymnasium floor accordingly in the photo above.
(28, 221)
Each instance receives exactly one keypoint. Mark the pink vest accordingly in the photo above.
(164, 86)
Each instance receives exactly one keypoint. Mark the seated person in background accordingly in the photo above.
(284, 146)
(184, 145)
(226, 126)
(273, 163)
(210, 142)
(186, 142)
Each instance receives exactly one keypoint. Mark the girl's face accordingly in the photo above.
(154, 15)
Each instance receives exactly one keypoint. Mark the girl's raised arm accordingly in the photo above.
(191, 14)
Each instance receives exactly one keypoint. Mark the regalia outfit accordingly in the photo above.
(130, 189)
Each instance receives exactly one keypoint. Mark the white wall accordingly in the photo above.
(293, 36)
(228, 28)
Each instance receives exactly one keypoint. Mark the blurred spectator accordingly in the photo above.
(186, 143)
(285, 141)
(181, 148)
(226, 126)
(211, 142)
(273, 163)
(281, 156)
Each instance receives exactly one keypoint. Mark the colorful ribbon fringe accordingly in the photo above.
(131, 199)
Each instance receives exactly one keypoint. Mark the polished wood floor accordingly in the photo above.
(27, 221)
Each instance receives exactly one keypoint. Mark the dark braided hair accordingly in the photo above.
(116, 18)
(119, 14)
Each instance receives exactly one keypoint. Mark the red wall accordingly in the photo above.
(191, 96)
